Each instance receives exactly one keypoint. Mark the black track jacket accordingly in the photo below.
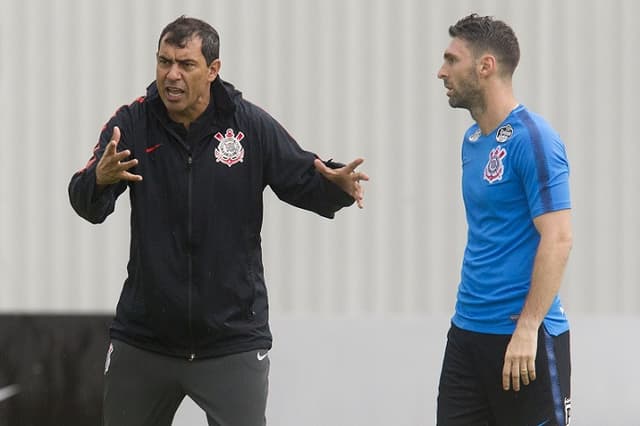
(195, 286)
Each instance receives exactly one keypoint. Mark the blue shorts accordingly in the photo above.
(471, 393)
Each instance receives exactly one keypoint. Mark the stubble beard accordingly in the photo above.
(468, 96)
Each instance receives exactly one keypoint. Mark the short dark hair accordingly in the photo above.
(486, 34)
(184, 29)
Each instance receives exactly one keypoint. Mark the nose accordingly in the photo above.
(441, 73)
(174, 72)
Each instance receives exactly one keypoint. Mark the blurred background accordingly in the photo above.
(360, 305)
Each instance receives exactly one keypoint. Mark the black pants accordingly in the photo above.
(471, 393)
(143, 388)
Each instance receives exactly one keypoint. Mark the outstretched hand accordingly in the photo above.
(112, 168)
(347, 178)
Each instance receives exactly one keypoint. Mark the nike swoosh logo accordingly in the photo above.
(262, 356)
(9, 391)
(152, 148)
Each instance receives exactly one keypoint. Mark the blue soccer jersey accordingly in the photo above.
(510, 176)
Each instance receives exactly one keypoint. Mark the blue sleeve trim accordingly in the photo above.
(540, 159)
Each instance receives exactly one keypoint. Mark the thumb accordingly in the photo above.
(321, 167)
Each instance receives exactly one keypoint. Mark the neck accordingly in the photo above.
(498, 102)
(188, 116)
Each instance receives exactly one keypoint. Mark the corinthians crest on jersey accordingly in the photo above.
(494, 169)
(229, 151)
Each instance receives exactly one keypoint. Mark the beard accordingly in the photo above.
(468, 94)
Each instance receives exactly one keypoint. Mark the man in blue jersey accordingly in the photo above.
(507, 359)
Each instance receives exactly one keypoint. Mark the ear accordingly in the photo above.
(487, 65)
(214, 69)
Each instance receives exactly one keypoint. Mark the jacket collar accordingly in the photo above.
(222, 93)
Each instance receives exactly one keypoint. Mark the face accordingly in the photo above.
(459, 75)
(184, 79)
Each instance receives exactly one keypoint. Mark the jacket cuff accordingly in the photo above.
(341, 198)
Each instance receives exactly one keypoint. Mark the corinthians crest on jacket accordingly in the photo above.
(229, 151)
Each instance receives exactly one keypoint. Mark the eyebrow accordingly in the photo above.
(179, 61)
(449, 55)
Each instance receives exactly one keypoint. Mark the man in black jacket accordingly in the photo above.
(192, 318)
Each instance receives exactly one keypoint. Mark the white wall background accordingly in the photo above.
(347, 78)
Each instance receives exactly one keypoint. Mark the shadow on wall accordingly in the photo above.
(51, 369)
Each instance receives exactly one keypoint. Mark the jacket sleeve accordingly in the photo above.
(90, 203)
(290, 172)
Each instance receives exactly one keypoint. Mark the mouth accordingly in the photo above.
(174, 93)
(449, 89)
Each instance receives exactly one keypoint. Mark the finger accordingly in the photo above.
(355, 163)
(113, 142)
(506, 376)
(110, 149)
(115, 136)
(531, 365)
(112, 146)
(122, 155)
(130, 177)
(126, 165)
(362, 176)
(524, 376)
(515, 376)
(359, 196)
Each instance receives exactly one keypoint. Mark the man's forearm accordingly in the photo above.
(548, 270)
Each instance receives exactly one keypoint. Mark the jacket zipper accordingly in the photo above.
(192, 355)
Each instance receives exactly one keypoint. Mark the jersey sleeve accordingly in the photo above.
(544, 170)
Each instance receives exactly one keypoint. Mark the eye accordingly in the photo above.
(450, 59)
